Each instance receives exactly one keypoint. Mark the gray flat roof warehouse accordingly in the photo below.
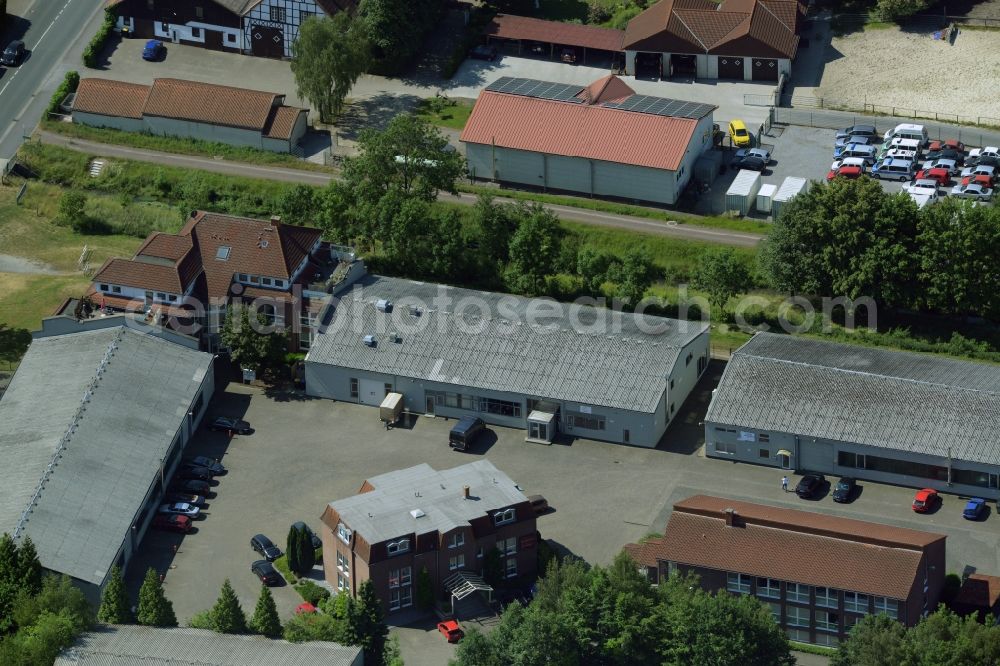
(604, 374)
(86, 425)
(897, 417)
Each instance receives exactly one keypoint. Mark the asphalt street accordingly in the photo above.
(50, 29)
(585, 216)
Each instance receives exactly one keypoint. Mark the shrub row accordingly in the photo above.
(96, 45)
(69, 85)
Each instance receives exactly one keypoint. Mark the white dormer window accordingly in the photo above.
(504, 517)
(398, 547)
(344, 533)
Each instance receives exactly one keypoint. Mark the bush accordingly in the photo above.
(892, 10)
(69, 85)
(312, 592)
(952, 584)
(621, 17)
(281, 564)
(96, 45)
(202, 620)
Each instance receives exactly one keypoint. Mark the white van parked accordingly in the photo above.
(908, 131)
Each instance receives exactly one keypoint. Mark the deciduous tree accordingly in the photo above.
(14, 343)
(533, 250)
(723, 274)
(251, 343)
(327, 59)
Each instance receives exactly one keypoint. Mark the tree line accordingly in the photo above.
(850, 238)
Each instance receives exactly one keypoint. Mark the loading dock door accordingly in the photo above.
(730, 67)
(765, 69)
(372, 392)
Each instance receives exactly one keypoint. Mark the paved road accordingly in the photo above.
(50, 29)
(596, 218)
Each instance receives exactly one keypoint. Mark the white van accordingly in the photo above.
(908, 131)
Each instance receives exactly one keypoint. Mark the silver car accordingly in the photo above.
(981, 170)
(180, 508)
(976, 191)
(753, 152)
(941, 163)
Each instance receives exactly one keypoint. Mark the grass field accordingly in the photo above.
(169, 144)
(445, 112)
(26, 298)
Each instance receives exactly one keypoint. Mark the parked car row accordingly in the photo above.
(266, 548)
(187, 497)
(905, 153)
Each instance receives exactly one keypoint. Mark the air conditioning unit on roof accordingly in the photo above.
(370, 340)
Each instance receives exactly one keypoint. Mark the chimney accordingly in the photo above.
(275, 219)
(465, 492)
(731, 517)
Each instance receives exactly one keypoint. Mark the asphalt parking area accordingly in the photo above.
(307, 452)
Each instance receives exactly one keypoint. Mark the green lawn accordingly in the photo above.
(453, 114)
(25, 299)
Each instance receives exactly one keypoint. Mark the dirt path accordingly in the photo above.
(11, 264)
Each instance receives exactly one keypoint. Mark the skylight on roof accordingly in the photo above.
(222, 253)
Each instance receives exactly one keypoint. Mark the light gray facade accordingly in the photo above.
(233, 136)
(110, 122)
(893, 417)
(85, 472)
(589, 176)
(622, 385)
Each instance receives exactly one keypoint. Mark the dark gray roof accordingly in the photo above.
(888, 399)
(384, 513)
(126, 645)
(113, 399)
(577, 353)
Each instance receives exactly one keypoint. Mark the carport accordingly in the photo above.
(545, 37)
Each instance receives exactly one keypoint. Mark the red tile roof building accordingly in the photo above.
(591, 139)
(524, 28)
(979, 594)
(817, 573)
(189, 109)
(214, 261)
(734, 39)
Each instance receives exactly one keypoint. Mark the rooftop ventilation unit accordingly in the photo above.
(417, 513)
(415, 311)
(395, 337)
(383, 305)
(370, 340)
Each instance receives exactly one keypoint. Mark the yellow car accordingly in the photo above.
(738, 134)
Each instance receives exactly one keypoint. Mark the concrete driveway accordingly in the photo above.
(308, 452)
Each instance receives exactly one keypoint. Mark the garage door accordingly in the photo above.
(372, 392)
(765, 69)
(266, 42)
(730, 67)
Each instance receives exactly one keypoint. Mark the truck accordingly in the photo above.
(391, 409)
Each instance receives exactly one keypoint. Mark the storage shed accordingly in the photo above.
(764, 197)
(789, 188)
(741, 195)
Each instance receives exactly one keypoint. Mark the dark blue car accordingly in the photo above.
(154, 50)
(974, 508)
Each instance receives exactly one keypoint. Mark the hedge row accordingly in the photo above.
(69, 85)
(96, 45)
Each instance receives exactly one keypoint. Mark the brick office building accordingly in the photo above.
(445, 521)
(818, 574)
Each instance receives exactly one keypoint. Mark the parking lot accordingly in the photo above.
(307, 452)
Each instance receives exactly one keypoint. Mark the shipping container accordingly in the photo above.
(741, 195)
(764, 197)
(789, 188)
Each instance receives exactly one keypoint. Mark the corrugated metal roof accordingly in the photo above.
(491, 345)
(122, 424)
(579, 130)
(886, 399)
(124, 645)
(384, 513)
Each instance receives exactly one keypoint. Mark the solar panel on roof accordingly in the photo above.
(661, 106)
(561, 92)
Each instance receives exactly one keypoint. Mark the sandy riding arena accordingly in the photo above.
(890, 67)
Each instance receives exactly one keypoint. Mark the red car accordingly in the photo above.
(947, 144)
(450, 630)
(939, 174)
(172, 523)
(845, 172)
(925, 500)
(304, 608)
(981, 179)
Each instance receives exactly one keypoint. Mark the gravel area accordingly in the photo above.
(912, 70)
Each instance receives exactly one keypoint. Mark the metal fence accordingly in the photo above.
(835, 119)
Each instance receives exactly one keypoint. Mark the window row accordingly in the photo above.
(261, 280)
(825, 597)
(476, 403)
(587, 421)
